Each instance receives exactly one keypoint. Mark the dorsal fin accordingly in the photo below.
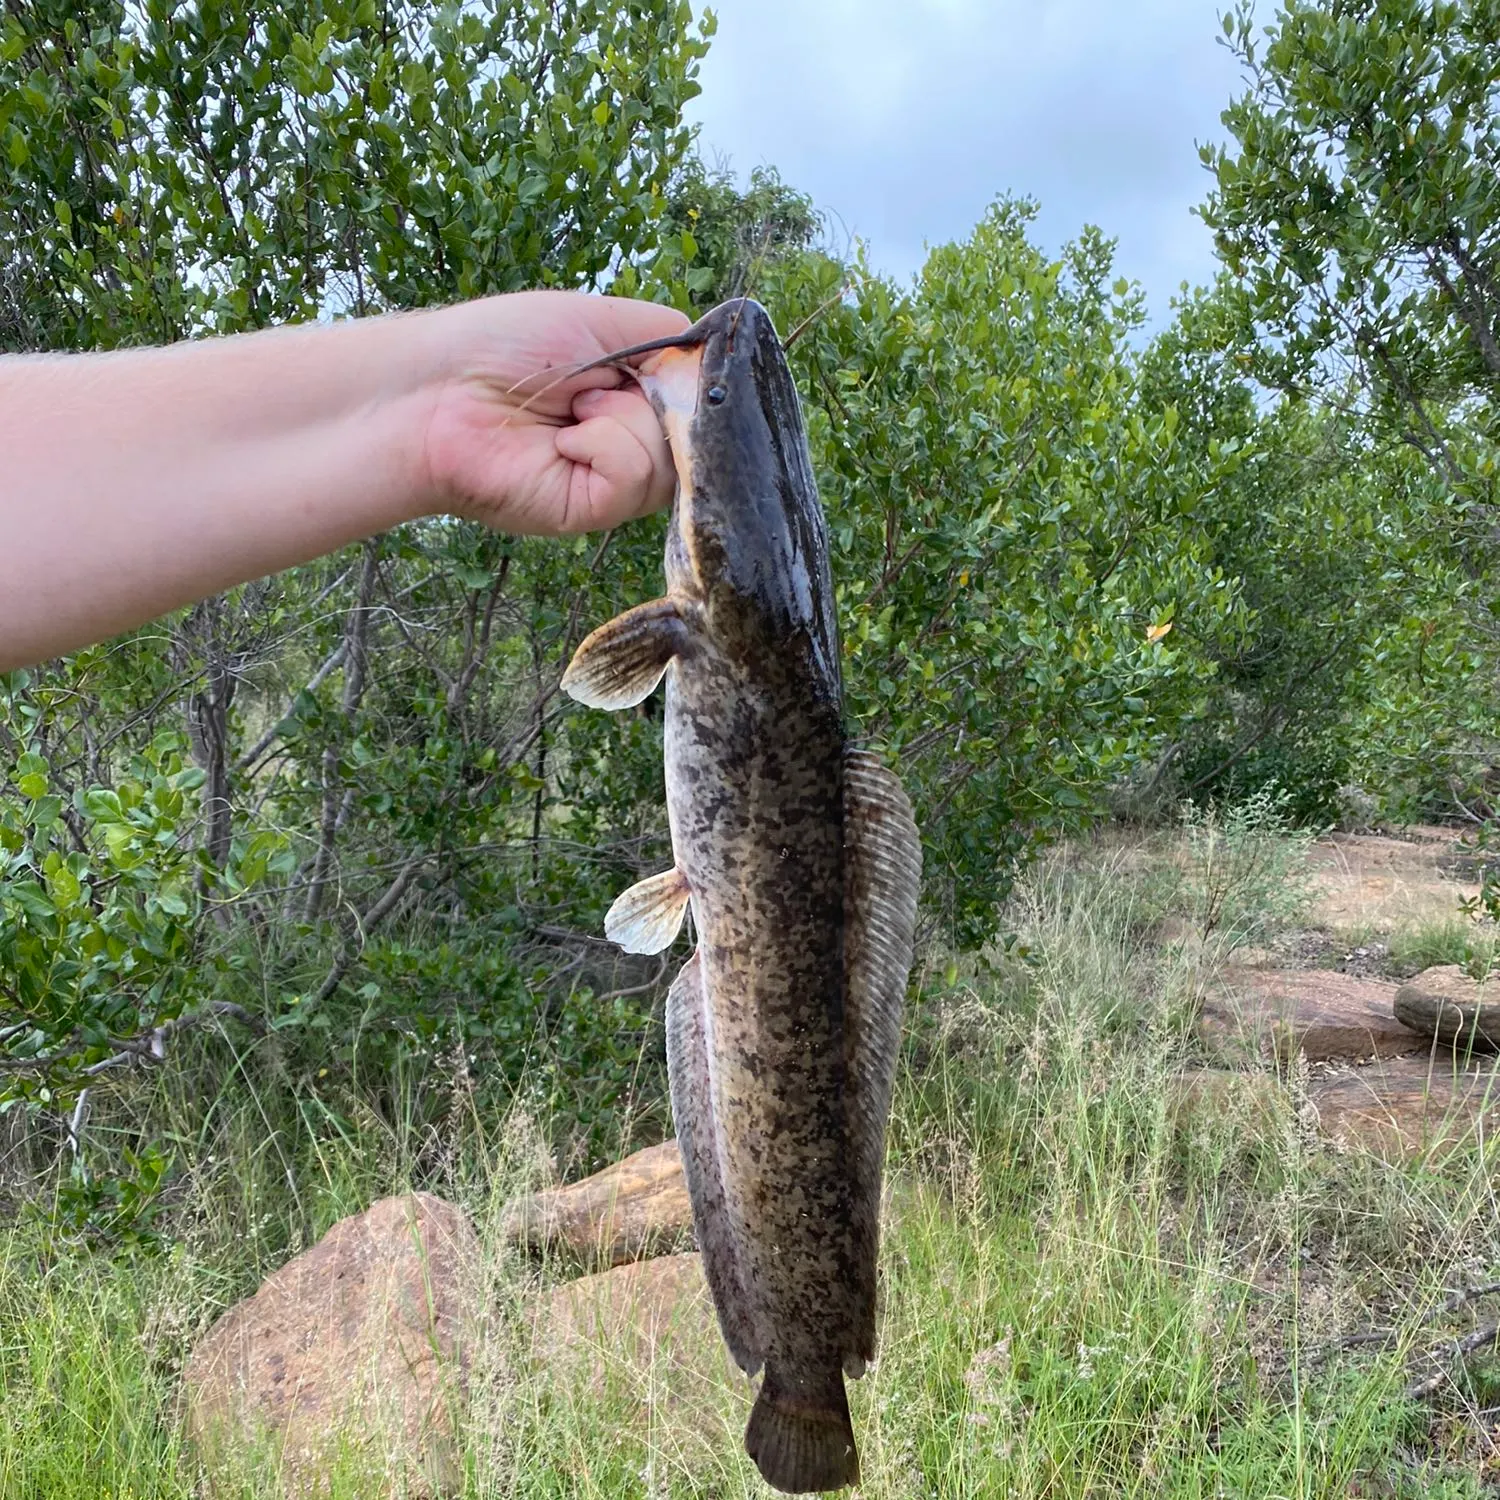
(882, 879)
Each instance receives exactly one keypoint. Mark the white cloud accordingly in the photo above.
(905, 119)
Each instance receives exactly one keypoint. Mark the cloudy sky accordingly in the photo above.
(904, 118)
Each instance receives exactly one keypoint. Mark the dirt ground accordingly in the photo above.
(1369, 885)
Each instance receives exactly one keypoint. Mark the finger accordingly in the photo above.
(623, 465)
(618, 322)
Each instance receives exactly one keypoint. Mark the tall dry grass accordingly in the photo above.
(1096, 1282)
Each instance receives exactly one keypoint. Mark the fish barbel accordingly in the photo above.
(801, 862)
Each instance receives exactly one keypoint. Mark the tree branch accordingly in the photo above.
(356, 636)
(148, 1046)
(349, 951)
(269, 738)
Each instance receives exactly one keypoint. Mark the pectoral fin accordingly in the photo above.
(648, 917)
(882, 878)
(620, 663)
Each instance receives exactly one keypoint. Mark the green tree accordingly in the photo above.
(1358, 206)
(1360, 202)
(1335, 546)
(1013, 524)
(353, 835)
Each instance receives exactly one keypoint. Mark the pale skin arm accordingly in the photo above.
(135, 482)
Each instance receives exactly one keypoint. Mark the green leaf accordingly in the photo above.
(31, 898)
(46, 811)
(64, 888)
(102, 805)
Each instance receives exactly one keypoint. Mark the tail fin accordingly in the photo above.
(800, 1435)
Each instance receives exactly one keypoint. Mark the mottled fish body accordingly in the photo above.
(800, 860)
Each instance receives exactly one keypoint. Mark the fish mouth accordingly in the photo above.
(724, 319)
(671, 379)
(678, 372)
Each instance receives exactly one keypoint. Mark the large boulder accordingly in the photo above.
(637, 1208)
(1447, 1004)
(354, 1355)
(1325, 1015)
(1408, 1106)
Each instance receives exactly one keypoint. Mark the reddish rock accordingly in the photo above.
(636, 1208)
(1325, 1015)
(1409, 1106)
(354, 1352)
(1445, 1003)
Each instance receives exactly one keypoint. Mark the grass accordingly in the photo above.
(1455, 940)
(1093, 1284)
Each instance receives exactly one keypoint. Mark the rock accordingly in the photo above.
(1325, 1015)
(1446, 1003)
(634, 1209)
(647, 1334)
(356, 1352)
(1408, 1106)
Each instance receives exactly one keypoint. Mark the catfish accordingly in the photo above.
(799, 857)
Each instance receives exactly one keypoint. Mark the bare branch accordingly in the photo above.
(356, 636)
(149, 1046)
(318, 678)
(1428, 1385)
(637, 989)
(350, 950)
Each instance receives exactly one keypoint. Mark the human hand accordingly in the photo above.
(584, 454)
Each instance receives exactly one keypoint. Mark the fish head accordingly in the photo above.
(748, 533)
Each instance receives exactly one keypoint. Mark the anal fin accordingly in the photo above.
(883, 876)
(692, 1112)
(619, 664)
(647, 917)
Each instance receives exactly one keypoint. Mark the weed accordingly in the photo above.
(1455, 940)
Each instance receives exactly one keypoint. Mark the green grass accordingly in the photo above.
(1091, 1288)
(1455, 940)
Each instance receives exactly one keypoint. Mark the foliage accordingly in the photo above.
(1358, 207)
(1011, 518)
(103, 906)
(1360, 202)
(1455, 940)
(1090, 1287)
(1353, 661)
(361, 848)
(172, 172)
(342, 816)
(719, 240)
(1245, 870)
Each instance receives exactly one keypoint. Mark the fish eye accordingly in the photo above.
(716, 395)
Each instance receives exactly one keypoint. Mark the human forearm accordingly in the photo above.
(135, 482)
